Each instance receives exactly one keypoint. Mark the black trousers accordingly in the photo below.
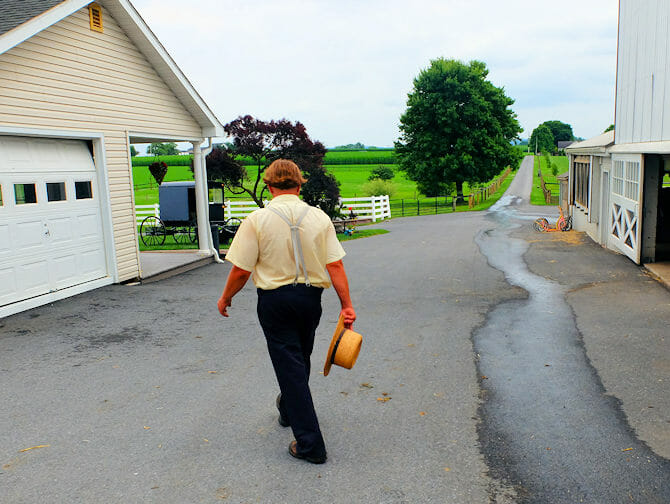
(289, 317)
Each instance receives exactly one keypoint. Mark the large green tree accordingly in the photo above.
(542, 139)
(457, 128)
(163, 149)
(561, 131)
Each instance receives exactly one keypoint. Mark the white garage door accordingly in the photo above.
(51, 233)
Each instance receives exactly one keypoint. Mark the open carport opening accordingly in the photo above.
(656, 209)
(663, 213)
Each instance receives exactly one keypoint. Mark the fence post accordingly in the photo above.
(157, 210)
(418, 207)
(402, 207)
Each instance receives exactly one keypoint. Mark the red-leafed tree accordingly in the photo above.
(261, 143)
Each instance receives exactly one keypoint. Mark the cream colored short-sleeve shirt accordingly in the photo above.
(263, 244)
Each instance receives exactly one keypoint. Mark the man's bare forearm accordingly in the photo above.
(237, 278)
(338, 277)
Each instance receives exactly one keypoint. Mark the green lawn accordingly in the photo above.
(146, 189)
(351, 178)
(430, 206)
(171, 244)
(536, 195)
(361, 233)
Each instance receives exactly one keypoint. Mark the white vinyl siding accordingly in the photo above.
(643, 83)
(70, 77)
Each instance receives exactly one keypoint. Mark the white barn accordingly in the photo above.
(80, 82)
(616, 191)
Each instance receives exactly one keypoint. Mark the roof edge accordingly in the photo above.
(35, 25)
(601, 142)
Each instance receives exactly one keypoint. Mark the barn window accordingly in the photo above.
(95, 17)
(632, 180)
(626, 178)
(582, 180)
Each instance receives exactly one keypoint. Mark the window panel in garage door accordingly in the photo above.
(49, 239)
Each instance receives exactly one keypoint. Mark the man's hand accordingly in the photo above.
(349, 316)
(223, 305)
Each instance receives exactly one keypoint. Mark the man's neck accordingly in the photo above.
(293, 191)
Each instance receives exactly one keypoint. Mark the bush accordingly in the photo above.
(158, 169)
(382, 172)
(379, 187)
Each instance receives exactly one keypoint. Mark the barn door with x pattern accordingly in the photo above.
(624, 223)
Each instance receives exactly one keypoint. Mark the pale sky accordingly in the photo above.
(344, 68)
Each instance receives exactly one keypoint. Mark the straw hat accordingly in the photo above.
(344, 348)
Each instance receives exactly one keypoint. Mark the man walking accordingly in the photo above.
(294, 254)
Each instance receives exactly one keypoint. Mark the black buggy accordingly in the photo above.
(178, 215)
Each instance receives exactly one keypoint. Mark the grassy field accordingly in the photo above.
(432, 206)
(351, 176)
(536, 195)
(146, 189)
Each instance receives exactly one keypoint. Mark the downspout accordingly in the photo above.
(203, 157)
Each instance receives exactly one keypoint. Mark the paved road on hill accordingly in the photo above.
(145, 394)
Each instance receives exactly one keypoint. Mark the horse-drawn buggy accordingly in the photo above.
(178, 215)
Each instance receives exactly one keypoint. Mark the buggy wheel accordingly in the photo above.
(230, 225)
(540, 224)
(152, 231)
(193, 234)
(182, 234)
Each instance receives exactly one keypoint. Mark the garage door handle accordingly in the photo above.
(46, 231)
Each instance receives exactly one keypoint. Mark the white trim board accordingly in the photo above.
(51, 297)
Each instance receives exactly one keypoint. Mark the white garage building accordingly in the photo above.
(80, 82)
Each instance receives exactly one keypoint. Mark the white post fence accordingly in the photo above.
(373, 207)
(143, 211)
(240, 209)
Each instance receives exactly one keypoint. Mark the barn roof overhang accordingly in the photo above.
(600, 144)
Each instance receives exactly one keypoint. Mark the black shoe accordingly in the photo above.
(293, 451)
(282, 421)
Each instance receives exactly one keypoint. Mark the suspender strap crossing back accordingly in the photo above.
(298, 255)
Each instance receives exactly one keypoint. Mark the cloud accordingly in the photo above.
(344, 68)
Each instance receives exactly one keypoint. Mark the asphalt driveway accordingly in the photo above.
(145, 394)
